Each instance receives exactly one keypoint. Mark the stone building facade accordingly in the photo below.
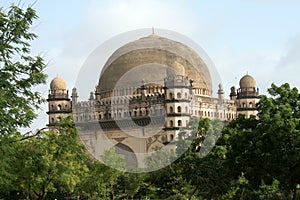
(148, 90)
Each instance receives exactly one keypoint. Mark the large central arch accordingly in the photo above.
(129, 155)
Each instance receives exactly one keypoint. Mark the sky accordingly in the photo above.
(258, 37)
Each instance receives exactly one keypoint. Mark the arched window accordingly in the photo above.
(171, 123)
(171, 95)
(52, 120)
(244, 105)
(179, 109)
(178, 95)
(58, 107)
(185, 95)
(179, 123)
(186, 109)
(164, 138)
(171, 109)
(141, 113)
(171, 137)
(135, 113)
(208, 114)
(250, 105)
(120, 115)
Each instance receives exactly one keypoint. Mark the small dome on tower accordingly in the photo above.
(58, 84)
(247, 81)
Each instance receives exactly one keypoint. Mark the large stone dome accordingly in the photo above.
(58, 84)
(247, 81)
(150, 59)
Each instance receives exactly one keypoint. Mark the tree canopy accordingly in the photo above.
(20, 72)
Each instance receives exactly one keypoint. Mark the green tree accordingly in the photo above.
(130, 184)
(279, 127)
(239, 142)
(19, 74)
(19, 71)
(94, 184)
(201, 167)
(165, 182)
(265, 151)
(116, 166)
(54, 161)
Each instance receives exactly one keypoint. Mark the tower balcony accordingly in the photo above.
(58, 96)
(242, 94)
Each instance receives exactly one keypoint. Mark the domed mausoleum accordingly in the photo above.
(148, 90)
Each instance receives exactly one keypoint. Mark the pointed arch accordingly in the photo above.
(129, 155)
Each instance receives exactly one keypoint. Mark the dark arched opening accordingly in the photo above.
(129, 155)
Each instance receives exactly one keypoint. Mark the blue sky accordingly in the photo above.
(258, 36)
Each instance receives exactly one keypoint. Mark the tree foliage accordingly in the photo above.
(280, 135)
(53, 161)
(19, 71)
(265, 151)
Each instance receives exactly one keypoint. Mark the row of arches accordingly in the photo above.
(201, 91)
(250, 105)
(132, 113)
(146, 113)
(178, 95)
(85, 118)
(59, 107)
(221, 115)
(179, 110)
(130, 91)
(167, 138)
(179, 123)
